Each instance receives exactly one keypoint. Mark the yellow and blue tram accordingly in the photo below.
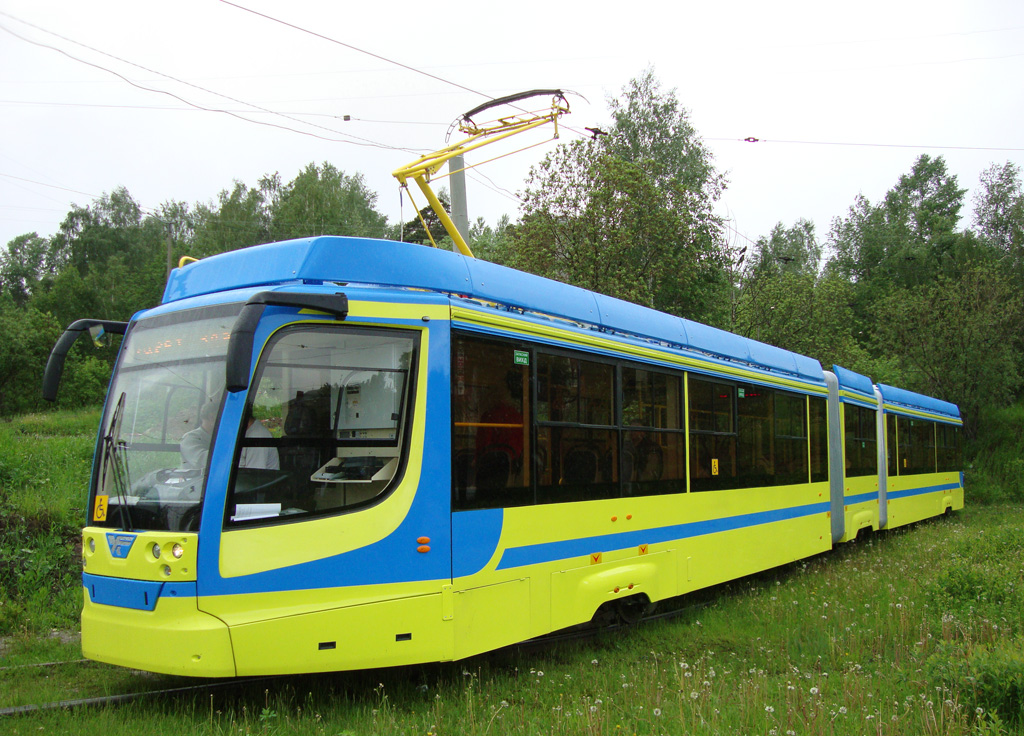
(338, 453)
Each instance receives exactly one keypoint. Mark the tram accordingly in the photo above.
(339, 453)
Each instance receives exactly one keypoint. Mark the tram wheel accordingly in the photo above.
(631, 610)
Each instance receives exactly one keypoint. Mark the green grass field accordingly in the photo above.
(918, 631)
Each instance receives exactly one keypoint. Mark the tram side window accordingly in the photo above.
(891, 447)
(818, 409)
(948, 448)
(490, 424)
(577, 440)
(653, 443)
(749, 436)
(712, 414)
(324, 428)
(755, 463)
(790, 439)
(860, 430)
(916, 439)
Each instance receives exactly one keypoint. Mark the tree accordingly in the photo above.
(786, 250)
(808, 315)
(27, 335)
(112, 225)
(23, 265)
(909, 239)
(491, 244)
(958, 338)
(630, 214)
(999, 215)
(239, 219)
(413, 231)
(323, 200)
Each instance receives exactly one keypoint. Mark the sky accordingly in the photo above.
(177, 100)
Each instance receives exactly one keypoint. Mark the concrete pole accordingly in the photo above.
(460, 209)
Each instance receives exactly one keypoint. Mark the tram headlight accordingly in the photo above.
(156, 550)
(92, 545)
(167, 570)
(177, 550)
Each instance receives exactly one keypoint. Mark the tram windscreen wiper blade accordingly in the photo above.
(114, 464)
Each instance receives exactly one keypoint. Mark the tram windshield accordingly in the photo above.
(149, 474)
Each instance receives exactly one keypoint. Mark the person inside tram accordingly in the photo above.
(499, 441)
(195, 445)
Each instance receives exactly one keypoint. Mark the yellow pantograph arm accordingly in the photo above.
(430, 164)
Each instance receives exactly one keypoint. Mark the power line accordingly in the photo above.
(355, 48)
(44, 184)
(352, 47)
(357, 140)
(192, 108)
(752, 139)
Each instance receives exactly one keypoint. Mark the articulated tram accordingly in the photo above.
(339, 453)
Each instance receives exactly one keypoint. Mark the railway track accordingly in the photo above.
(106, 700)
(581, 632)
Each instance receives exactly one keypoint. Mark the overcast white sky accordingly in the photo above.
(844, 96)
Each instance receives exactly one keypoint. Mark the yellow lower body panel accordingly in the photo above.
(175, 638)
(492, 616)
(576, 594)
(917, 507)
(860, 516)
(382, 634)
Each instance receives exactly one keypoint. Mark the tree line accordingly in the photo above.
(897, 289)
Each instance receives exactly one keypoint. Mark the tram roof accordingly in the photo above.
(902, 398)
(403, 265)
(853, 381)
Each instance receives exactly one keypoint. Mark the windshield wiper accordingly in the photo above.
(114, 466)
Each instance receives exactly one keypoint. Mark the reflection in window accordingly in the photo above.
(860, 431)
(949, 448)
(577, 440)
(574, 390)
(818, 409)
(712, 435)
(892, 455)
(756, 436)
(324, 428)
(769, 445)
(576, 464)
(490, 424)
(653, 459)
(790, 458)
(916, 445)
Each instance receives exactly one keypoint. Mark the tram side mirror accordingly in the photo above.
(240, 346)
(97, 328)
(99, 336)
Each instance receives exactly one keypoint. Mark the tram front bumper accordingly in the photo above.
(172, 637)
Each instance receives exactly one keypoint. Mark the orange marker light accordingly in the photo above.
(423, 548)
(423, 540)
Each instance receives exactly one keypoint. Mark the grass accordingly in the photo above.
(916, 631)
(45, 461)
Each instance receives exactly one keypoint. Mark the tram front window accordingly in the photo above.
(171, 370)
